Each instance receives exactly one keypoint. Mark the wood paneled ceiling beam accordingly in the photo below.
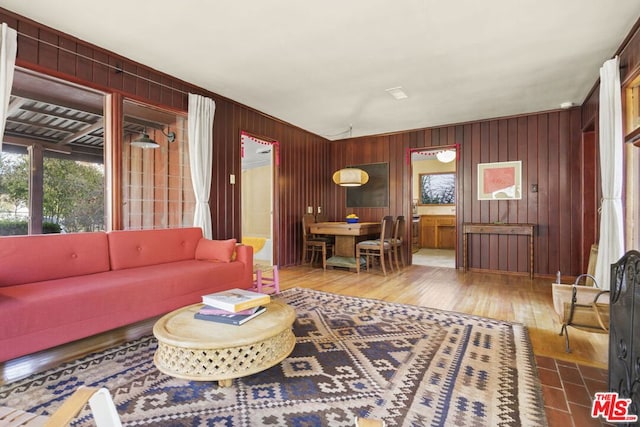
(15, 105)
(24, 142)
(65, 113)
(86, 131)
(39, 125)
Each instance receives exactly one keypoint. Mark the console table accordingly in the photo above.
(493, 228)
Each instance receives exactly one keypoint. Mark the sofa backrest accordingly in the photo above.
(138, 248)
(34, 258)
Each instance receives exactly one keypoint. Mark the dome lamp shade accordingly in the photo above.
(350, 177)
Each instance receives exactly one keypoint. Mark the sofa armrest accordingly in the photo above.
(244, 254)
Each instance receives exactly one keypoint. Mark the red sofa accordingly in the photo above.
(59, 288)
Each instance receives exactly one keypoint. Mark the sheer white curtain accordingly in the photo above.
(201, 112)
(611, 245)
(8, 49)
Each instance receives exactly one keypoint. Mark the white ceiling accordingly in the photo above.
(324, 66)
(255, 153)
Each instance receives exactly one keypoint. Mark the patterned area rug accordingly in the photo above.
(408, 365)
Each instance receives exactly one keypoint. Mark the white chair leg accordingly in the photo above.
(102, 407)
(104, 410)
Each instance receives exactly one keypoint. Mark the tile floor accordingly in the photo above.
(435, 257)
(568, 389)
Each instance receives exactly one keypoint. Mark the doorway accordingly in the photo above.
(258, 156)
(433, 189)
(591, 191)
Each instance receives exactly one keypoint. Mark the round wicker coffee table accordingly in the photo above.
(202, 350)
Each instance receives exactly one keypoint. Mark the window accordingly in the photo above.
(52, 169)
(631, 93)
(52, 164)
(157, 190)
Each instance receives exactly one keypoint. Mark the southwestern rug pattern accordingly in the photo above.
(408, 365)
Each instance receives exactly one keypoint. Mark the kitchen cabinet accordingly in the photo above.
(415, 234)
(438, 231)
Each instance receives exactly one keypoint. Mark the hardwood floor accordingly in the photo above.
(505, 297)
(568, 379)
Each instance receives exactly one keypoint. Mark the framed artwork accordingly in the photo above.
(373, 194)
(500, 181)
(437, 188)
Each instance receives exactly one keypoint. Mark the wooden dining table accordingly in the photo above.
(347, 235)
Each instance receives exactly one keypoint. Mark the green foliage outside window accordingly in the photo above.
(73, 198)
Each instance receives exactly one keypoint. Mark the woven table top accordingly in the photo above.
(180, 328)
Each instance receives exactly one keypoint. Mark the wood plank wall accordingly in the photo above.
(548, 145)
(629, 53)
(303, 156)
(558, 150)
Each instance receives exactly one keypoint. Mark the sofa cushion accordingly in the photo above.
(35, 258)
(35, 316)
(141, 292)
(215, 250)
(139, 248)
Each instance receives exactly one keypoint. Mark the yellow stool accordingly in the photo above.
(265, 284)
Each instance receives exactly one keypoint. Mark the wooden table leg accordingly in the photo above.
(531, 257)
(345, 246)
(344, 254)
(225, 383)
(465, 250)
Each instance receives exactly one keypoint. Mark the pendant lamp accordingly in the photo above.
(446, 156)
(350, 177)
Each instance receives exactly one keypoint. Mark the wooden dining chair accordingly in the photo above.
(379, 248)
(322, 218)
(397, 241)
(313, 245)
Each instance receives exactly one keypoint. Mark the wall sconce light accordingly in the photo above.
(350, 177)
(143, 141)
(446, 156)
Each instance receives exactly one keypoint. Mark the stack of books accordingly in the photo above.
(234, 307)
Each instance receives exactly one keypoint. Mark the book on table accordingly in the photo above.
(231, 318)
(208, 310)
(235, 300)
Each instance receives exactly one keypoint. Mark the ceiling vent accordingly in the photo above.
(397, 92)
